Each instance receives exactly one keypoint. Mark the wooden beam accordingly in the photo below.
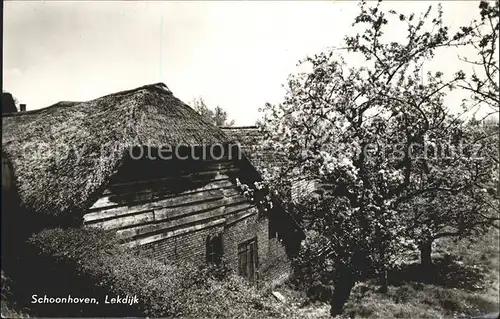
(107, 191)
(221, 172)
(242, 215)
(169, 204)
(174, 212)
(137, 219)
(238, 207)
(150, 228)
(107, 201)
(177, 232)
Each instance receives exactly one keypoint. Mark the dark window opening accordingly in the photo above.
(214, 249)
(248, 262)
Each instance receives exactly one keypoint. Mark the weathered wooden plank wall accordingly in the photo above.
(152, 201)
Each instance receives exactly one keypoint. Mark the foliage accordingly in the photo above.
(16, 100)
(366, 131)
(313, 273)
(162, 289)
(8, 307)
(217, 116)
(310, 266)
(483, 37)
(258, 193)
(229, 298)
(446, 271)
(413, 297)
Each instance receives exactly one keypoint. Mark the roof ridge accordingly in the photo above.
(157, 86)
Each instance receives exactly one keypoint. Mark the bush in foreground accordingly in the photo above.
(8, 308)
(95, 266)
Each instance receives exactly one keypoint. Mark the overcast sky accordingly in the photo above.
(234, 54)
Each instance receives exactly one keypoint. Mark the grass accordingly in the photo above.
(483, 253)
(418, 301)
(452, 299)
(459, 294)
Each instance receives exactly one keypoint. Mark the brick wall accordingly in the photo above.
(188, 247)
(274, 266)
(273, 262)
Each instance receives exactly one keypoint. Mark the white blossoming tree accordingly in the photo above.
(364, 131)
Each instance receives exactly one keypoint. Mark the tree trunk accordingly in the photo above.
(384, 286)
(383, 273)
(342, 291)
(425, 254)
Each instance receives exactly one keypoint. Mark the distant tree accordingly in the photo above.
(199, 106)
(221, 117)
(218, 116)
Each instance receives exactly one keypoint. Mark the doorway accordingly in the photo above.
(248, 263)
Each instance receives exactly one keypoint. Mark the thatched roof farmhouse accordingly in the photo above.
(74, 161)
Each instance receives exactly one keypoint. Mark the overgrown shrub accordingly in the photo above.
(8, 308)
(96, 266)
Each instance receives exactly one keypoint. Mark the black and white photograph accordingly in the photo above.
(250, 159)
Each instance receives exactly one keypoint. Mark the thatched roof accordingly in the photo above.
(69, 172)
(251, 140)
